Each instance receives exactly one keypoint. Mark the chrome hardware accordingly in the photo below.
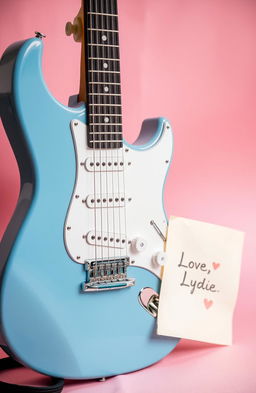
(153, 304)
(149, 300)
(106, 275)
(39, 35)
(160, 233)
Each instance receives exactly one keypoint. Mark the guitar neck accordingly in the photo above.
(102, 70)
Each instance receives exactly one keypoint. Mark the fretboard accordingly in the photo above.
(103, 75)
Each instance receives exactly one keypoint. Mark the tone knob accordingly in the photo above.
(139, 244)
(160, 258)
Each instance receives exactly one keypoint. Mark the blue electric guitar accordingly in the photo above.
(81, 259)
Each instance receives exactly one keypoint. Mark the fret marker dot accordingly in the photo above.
(104, 38)
(105, 65)
(106, 89)
(106, 119)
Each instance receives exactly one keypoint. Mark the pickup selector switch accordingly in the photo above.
(139, 244)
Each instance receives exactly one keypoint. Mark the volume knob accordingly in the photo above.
(139, 244)
(159, 258)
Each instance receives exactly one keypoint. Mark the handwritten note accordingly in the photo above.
(200, 281)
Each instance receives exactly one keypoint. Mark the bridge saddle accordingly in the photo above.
(107, 275)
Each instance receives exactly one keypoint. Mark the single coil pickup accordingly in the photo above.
(106, 201)
(105, 239)
(104, 165)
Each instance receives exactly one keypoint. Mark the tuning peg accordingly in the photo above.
(75, 28)
(70, 28)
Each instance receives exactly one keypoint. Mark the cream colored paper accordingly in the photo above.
(200, 281)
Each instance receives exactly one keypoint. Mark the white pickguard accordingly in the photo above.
(131, 188)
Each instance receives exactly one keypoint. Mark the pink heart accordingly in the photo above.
(215, 265)
(208, 303)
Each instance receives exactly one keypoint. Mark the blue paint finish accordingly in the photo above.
(150, 134)
(46, 321)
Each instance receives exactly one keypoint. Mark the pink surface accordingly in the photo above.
(193, 62)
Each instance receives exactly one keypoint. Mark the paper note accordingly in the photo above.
(200, 281)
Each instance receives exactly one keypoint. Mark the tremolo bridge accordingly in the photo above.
(106, 275)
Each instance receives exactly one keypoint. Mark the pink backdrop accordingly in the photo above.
(193, 61)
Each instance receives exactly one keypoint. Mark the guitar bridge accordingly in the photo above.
(105, 275)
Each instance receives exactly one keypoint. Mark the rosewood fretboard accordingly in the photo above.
(103, 74)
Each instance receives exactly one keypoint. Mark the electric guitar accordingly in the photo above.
(81, 259)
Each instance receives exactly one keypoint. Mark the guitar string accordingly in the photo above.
(99, 127)
(91, 111)
(111, 110)
(115, 42)
(122, 150)
(112, 146)
(105, 135)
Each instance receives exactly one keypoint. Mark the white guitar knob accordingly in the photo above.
(139, 244)
(160, 258)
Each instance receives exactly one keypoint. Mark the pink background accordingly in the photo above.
(193, 61)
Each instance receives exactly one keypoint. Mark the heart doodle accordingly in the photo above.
(208, 303)
(215, 265)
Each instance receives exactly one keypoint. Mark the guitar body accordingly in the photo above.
(47, 322)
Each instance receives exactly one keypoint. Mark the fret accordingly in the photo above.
(108, 140)
(102, 105)
(102, 58)
(103, 83)
(104, 95)
(106, 72)
(106, 114)
(106, 127)
(104, 45)
(105, 30)
(101, 13)
(105, 124)
(104, 133)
